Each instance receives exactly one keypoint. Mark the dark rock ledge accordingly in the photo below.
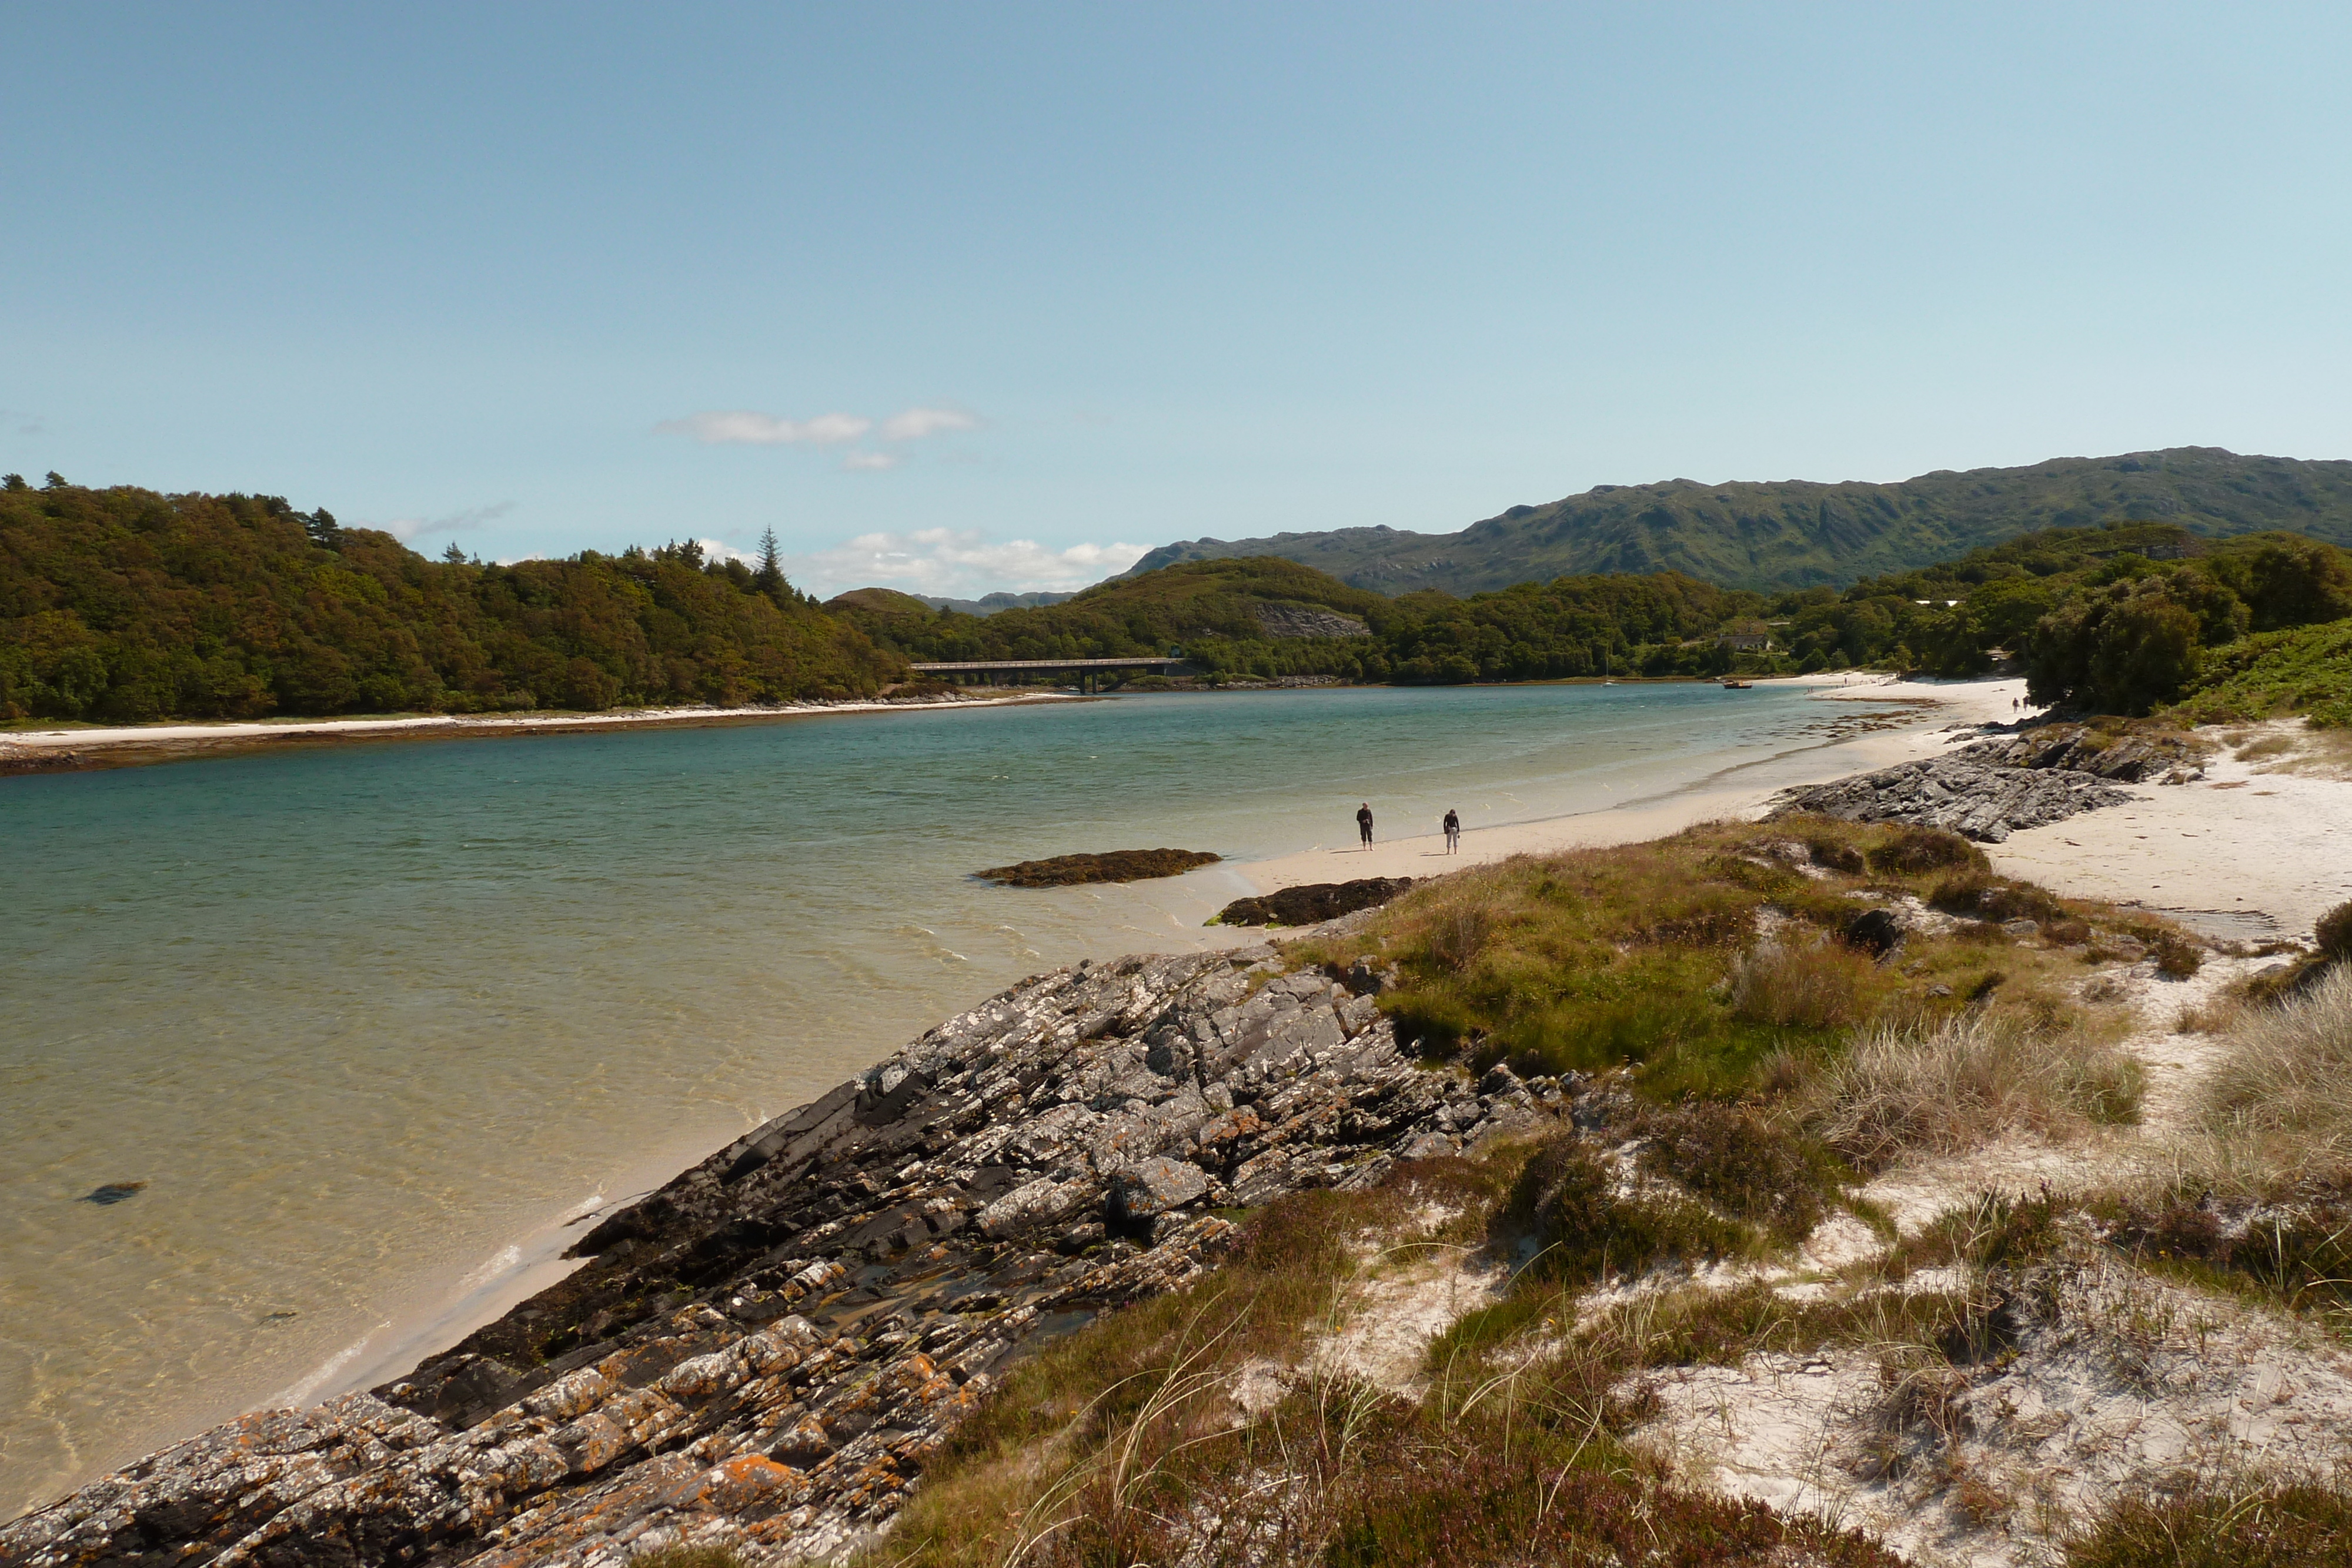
(1996, 788)
(763, 1353)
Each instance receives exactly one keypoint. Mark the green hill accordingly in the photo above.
(1269, 616)
(125, 605)
(1797, 533)
(1266, 616)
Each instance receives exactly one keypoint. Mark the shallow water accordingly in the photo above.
(362, 1017)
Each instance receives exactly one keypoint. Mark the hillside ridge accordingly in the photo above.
(1799, 533)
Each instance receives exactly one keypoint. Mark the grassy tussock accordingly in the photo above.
(1811, 987)
(2278, 1107)
(1963, 1081)
(2248, 1522)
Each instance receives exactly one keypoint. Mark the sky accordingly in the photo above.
(959, 298)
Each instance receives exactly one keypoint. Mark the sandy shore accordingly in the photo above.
(129, 744)
(2252, 850)
(1741, 791)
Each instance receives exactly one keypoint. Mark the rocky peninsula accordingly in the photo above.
(763, 1353)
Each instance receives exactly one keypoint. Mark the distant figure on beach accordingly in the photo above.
(1364, 823)
(1453, 832)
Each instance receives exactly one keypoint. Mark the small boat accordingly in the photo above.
(1738, 686)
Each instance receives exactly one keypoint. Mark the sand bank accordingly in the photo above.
(1741, 791)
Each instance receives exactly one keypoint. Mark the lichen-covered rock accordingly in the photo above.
(763, 1353)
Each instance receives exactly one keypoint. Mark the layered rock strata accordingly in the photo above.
(763, 1353)
(1976, 800)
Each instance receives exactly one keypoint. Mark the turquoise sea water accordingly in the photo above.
(363, 1015)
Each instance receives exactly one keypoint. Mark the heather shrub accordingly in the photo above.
(2333, 934)
(1742, 1164)
(1908, 851)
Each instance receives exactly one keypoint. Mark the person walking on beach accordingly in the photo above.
(1364, 823)
(1453, 832)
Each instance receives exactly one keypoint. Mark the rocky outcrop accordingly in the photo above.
(1117, 865)
(1316, 900)
(1981, 800)
(763, 1353)
(2076, 749)
(1306, 620)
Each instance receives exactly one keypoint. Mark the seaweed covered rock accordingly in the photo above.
(1116, 865)
(1314, 900)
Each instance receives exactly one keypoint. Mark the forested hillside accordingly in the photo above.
(2121, 618)
(1797, 534)
(125, 605)
(1229, 617)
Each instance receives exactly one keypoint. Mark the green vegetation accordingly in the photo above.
(1793, 535)
(2307, 671)
(2222, 1522)
(123, 605)
(1219, 612)
(1647, 956)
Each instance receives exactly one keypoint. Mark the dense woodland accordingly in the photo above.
(124, 605)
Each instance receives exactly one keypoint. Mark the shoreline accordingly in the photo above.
(134, 745)
(1961, 705)
(24, 751)
(444, 1312)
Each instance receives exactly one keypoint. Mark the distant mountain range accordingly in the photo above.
(1797, 533)
(990, 603)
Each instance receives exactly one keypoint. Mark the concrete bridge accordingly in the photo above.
(993, 672)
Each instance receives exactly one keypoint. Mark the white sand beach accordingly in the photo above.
(252, 730)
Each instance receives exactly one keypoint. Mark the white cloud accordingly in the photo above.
(745, 427)
(407, 528)
(917, 422)
(956, 563)
(870, 462)
(720, 550)
(741, 427)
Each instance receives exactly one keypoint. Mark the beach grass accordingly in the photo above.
(1718, 960)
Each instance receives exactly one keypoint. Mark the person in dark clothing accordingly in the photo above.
(1364, 823)
(1453, 832)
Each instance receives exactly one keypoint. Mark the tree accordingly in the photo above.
(323, 529)
(456, 554)
(14, 482)
(54, 481)
(2123, 648)
(769, 577)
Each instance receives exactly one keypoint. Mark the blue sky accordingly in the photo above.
(1001, 289)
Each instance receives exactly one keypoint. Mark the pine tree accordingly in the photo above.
(769, 577)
